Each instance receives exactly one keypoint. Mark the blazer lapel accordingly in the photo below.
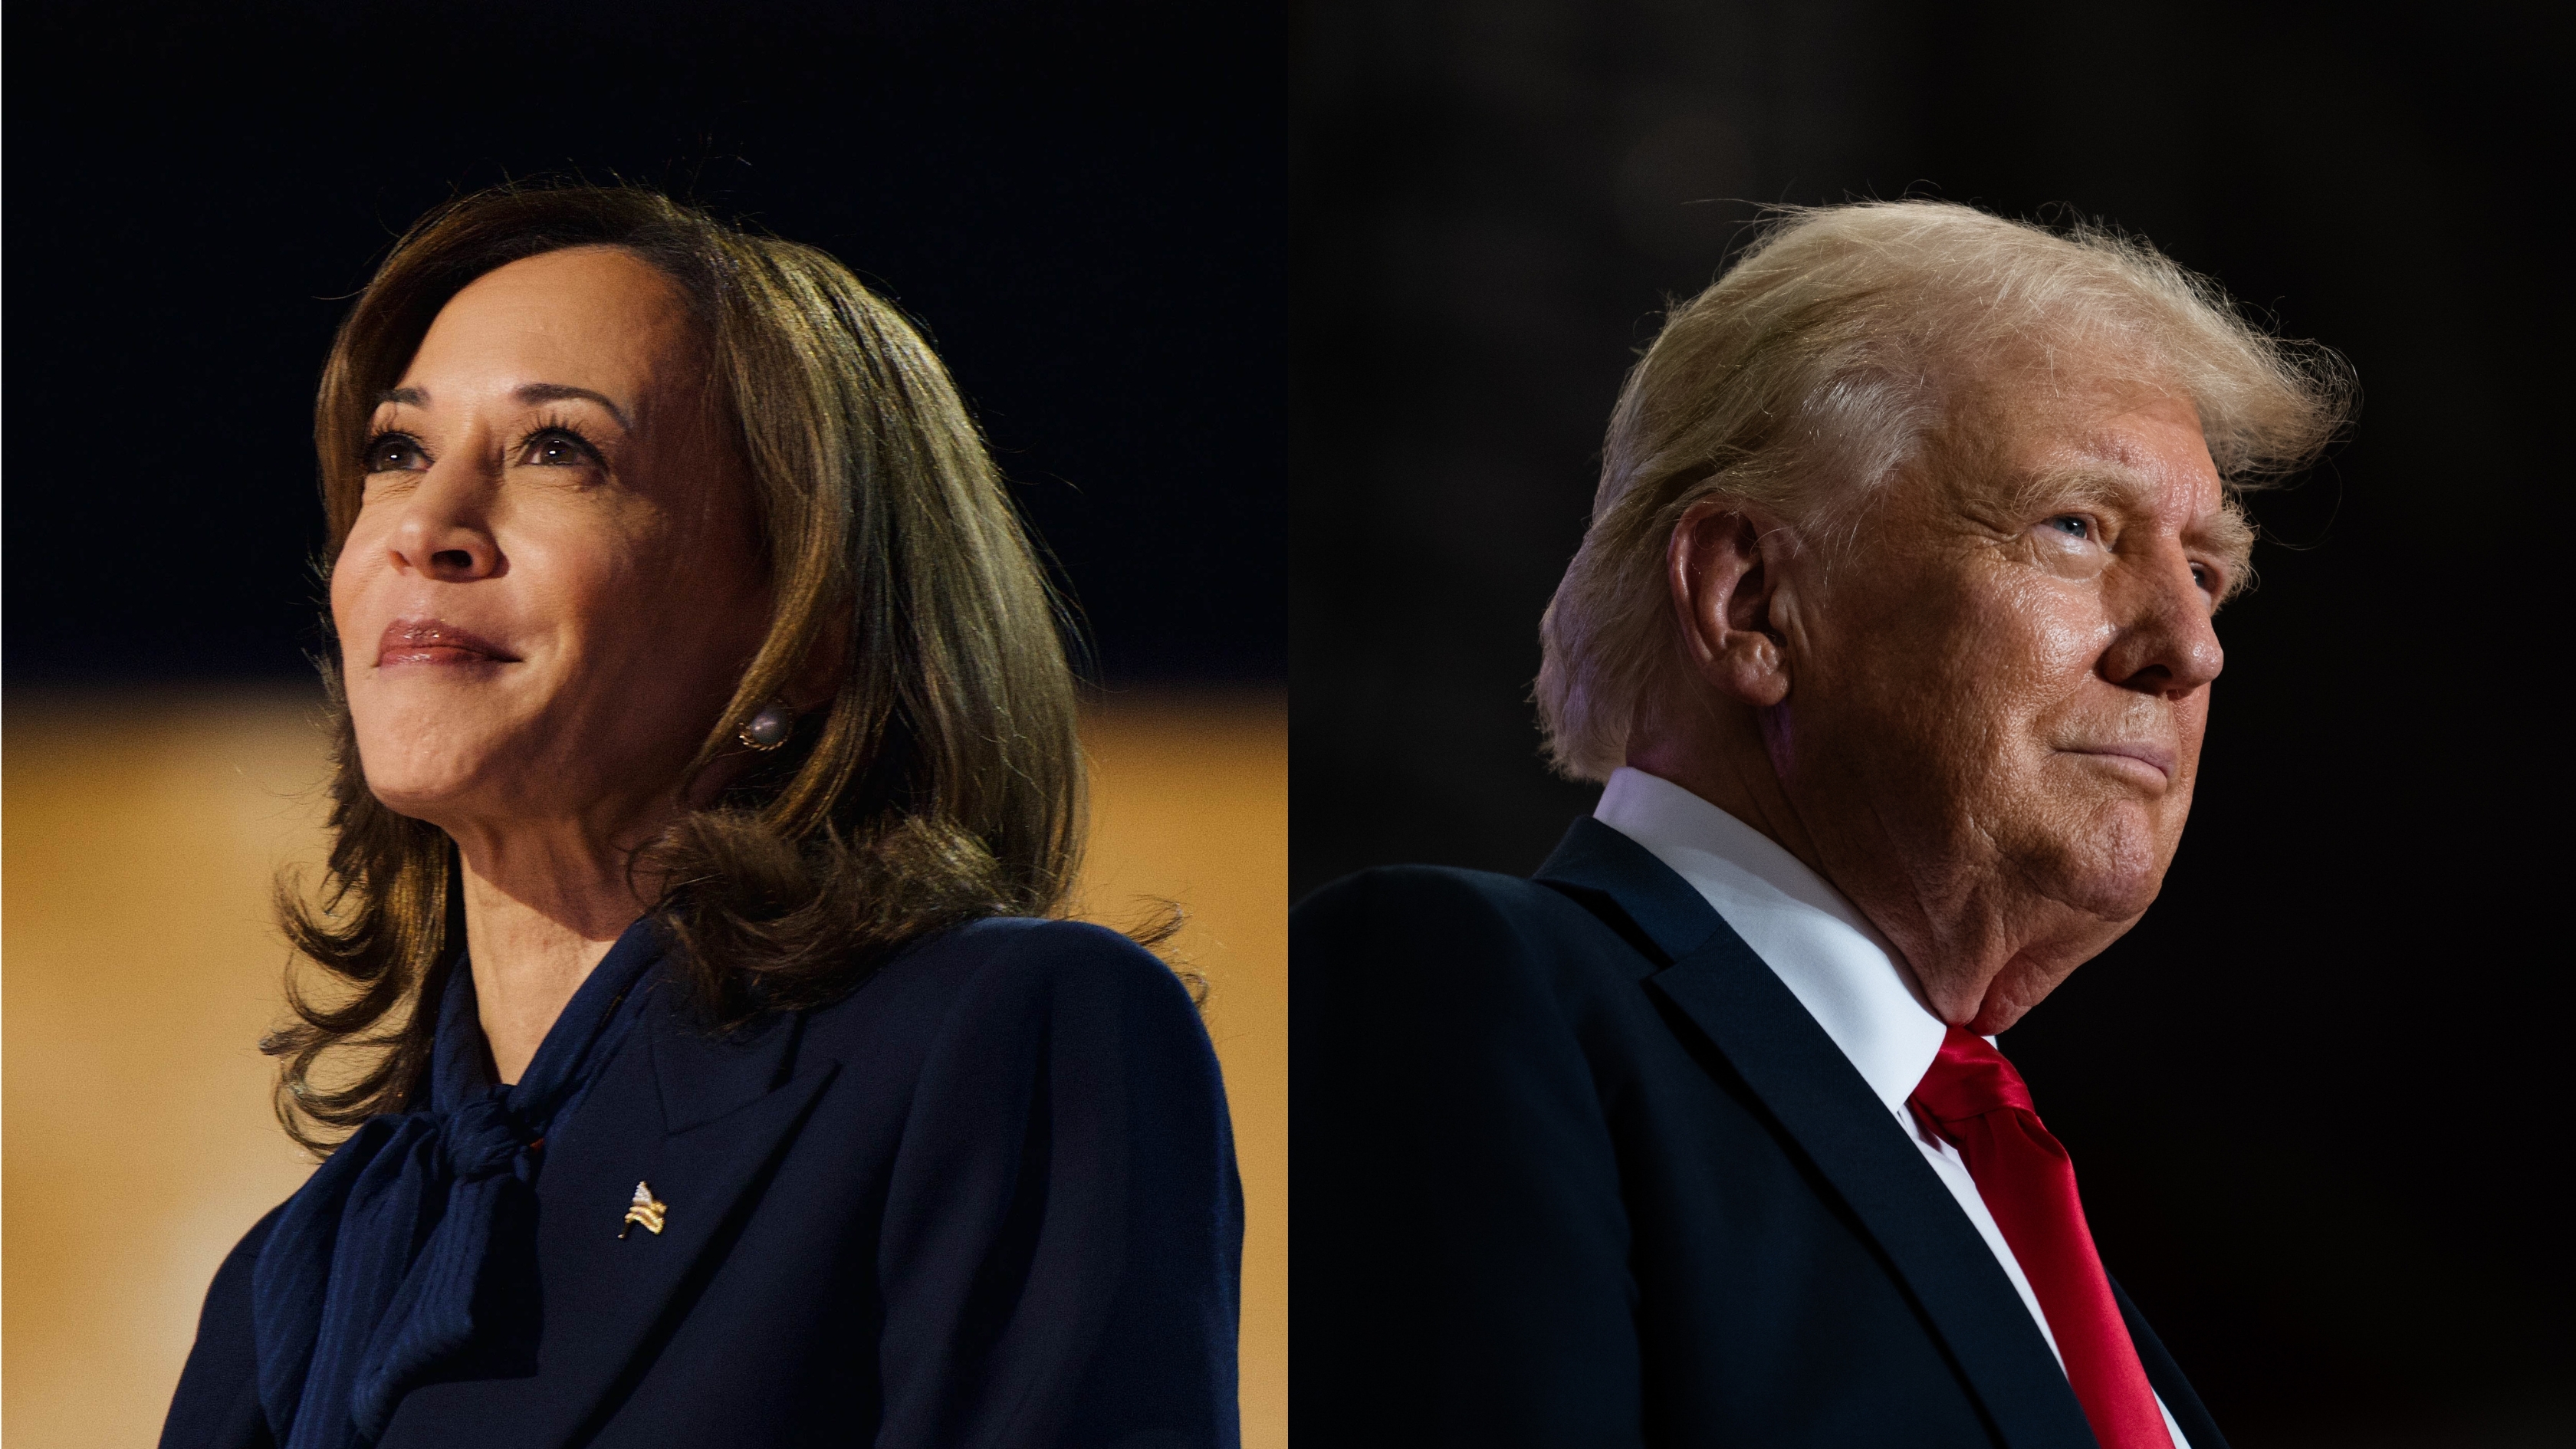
(1811, 1089)
(700, 1120)
(2165, 1376)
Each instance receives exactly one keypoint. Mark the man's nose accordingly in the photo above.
(2167, 643)
(445, 533)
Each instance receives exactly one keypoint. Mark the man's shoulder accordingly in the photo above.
(1414, 898)
(1449, 920)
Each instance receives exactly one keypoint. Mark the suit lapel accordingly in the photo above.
(700, 1119)
(2165, 1376)
(1821, 1102)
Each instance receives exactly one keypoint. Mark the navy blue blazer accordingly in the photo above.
(1574, 1168)
(988, 1199)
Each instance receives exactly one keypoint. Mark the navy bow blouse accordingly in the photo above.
(986, 1199)
(407, 1253)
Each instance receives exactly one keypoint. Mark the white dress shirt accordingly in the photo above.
(1830, 957)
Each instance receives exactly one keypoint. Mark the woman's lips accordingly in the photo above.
(435, 641)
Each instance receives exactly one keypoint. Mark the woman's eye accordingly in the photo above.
(395, 453)
(555, 448)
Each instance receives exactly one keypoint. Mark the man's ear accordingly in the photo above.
(1723, 564)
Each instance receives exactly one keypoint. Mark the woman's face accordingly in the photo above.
(552, 586)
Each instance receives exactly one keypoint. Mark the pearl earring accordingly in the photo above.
(768, 729)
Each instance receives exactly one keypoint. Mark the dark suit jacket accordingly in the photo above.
(1574, 1168)
(988, 1199)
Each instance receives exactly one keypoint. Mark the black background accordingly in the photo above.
(2317, 1097)
(1083, 206)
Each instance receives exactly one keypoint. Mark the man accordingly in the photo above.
(1891, 642)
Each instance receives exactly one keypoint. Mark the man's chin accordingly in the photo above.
(2087, 925)
(1996, 1017)
(2011, 995)
(2109, 865)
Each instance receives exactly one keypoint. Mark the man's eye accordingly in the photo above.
(395, 453)
(2072, 526)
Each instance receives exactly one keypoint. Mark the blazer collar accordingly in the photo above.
(1725, 991)
(1600, 865)
(696, 1117)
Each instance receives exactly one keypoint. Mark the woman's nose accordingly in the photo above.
(444, 534)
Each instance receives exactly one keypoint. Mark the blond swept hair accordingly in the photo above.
(1823, 360)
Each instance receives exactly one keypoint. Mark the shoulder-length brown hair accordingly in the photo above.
(942, 783)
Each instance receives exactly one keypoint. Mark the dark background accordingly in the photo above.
(1084, 206)
(2317, 1097)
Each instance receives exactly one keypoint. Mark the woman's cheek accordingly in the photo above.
(351, 574)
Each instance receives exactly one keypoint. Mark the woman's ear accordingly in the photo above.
(1724, 567)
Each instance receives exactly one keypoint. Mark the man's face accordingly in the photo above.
(1999, 692)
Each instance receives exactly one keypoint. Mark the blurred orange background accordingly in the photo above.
(139, 834)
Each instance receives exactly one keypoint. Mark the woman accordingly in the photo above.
(695, 677)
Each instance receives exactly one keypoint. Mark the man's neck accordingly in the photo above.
(1732, 770)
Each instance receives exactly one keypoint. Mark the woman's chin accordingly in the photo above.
(443, 797)
(422, 760)
(412, 801)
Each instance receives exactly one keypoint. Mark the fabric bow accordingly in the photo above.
(411, 1251)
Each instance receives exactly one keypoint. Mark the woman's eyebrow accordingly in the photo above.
(535, 392)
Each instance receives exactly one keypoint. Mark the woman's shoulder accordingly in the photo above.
(1045, 945)
(1020, 955)
(1004, 973)
(974, 1030)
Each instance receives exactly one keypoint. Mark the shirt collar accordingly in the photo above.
(1818, 943)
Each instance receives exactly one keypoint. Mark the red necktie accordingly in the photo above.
(1975, 1099)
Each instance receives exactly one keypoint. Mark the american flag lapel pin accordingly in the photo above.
(646, 1209)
